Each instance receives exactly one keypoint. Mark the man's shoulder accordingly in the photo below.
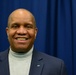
(49, 58)
(51, 63)
(3, 52)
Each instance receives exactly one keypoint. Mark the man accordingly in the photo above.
(21, 58)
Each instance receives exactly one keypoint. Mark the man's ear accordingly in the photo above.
(36, 30)
(7, 30)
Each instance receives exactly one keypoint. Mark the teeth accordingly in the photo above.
(21, 38)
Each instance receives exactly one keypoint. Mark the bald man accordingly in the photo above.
(21, 58)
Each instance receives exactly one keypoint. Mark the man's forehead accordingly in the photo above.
(21, 12)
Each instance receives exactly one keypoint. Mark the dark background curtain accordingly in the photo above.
(56, 22)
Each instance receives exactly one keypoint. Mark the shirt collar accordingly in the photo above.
(21, 55)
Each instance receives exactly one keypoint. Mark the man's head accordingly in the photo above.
(21, 30)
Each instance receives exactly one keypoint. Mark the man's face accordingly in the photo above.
(21, 32)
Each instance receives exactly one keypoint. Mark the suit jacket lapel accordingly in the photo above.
(4, 66)
(36, 64)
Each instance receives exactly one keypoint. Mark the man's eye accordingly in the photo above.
(15, 26)
(29, 26)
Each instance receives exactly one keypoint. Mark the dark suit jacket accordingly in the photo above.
(42, 64)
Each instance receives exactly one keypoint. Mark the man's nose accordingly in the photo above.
(22, 31)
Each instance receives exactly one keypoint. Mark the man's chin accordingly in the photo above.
(21, 50)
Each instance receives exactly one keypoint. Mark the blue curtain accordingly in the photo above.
(56, 22)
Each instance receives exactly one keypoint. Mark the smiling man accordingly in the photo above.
(21, 30)
(21, 58)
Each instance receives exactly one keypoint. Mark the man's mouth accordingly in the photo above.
(21, 38)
